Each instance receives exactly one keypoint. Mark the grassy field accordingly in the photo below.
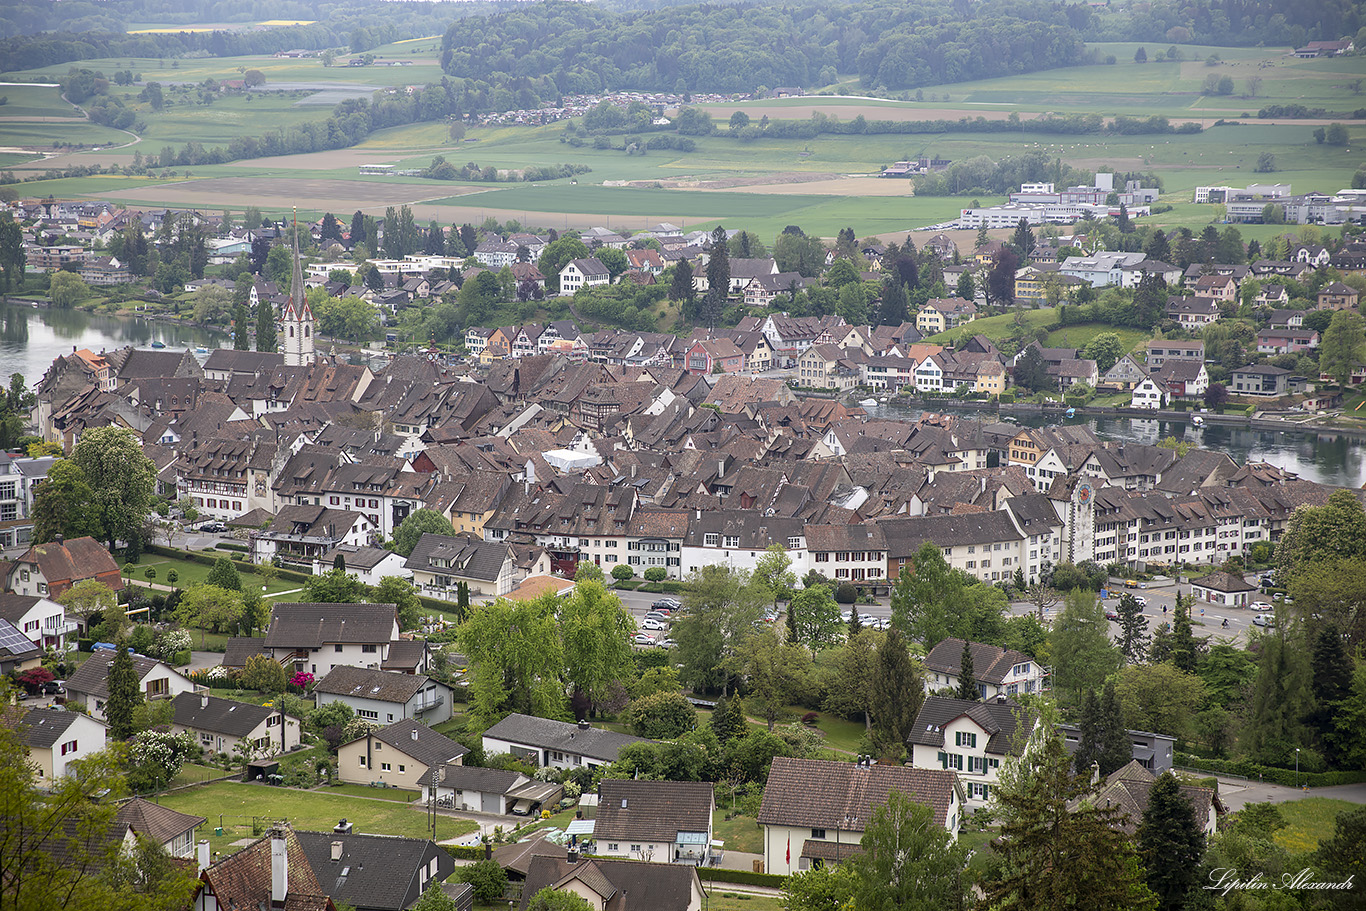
(1076, 336)
(1219, 155)
(234, 805)
(188, 574)
(1309, 821)
(718, 899)
(740, 834)
(35, 101)
(996, 327)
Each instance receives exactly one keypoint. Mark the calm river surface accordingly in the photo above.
(30, 339)
(1323, 456)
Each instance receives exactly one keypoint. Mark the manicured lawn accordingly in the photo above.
(1077, 336)
(235, 806)
(359, 790)
(740, 834)
(195, 773)
(997, 327)
(720, 900)
(1309, 821)
(188, 574)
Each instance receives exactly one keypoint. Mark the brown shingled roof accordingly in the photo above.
(819, 794)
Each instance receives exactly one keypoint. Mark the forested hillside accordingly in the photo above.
(891, 46)
(741, 48)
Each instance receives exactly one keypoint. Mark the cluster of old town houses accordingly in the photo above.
(547, 447)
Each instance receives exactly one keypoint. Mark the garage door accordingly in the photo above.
(491, 803)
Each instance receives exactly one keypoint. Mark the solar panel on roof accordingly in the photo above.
(12, 640)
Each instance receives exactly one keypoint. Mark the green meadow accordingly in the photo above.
(1221, 155)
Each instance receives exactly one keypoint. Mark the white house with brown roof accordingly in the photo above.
(815, 811)
(668, 821)
(235, 728)
(48, 570)
(171, 829)
(401, 755)
(385, 697)
(1223, 589)
(89, 686)
(999, 671)
(970, 737)
(319, 637)
(616, 885)
(1129, 786)
(55, 738)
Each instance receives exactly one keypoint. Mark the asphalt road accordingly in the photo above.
(1207, 619)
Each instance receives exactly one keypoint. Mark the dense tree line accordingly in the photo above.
(744, 47)
(1223, 22)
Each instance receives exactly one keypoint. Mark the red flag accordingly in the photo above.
(789, 849)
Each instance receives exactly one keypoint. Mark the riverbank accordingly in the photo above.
(1259, 420)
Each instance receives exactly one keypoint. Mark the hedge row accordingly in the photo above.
(743, 877)
(668, 586)
(209, 559)
(240, 548)
(465, 852)
(1244, 768)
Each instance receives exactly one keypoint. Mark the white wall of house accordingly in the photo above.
(1027, 677)
(386, 713)
(964, 751)
(276, 734)
(695, 557)
(84, 737)
(341, 654)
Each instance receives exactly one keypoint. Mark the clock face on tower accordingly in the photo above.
(1084, 493)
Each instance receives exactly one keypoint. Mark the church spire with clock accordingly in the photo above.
(296, 317)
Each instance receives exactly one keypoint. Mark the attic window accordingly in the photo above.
(623, 803)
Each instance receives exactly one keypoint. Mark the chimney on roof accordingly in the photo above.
(583, 724)
(336, 851)
(414, 733)
(202, 853)
(204, 701)
(573, 855)
(279, 867)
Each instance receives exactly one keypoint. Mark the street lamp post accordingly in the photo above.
(1297, 767)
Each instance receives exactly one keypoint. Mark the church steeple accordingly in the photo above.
(296, 317)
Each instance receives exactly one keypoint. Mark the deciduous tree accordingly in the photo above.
(1082, 653)
(121, 480)
(415, 525)
(516, 659)
(595, 629)
(722, 608)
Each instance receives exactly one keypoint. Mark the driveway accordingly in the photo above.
(1238, 792)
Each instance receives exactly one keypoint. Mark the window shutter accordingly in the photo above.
(943, 759)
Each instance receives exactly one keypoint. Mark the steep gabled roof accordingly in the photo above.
(652, 811)
(820, 794)
(311, 625)
(364, 683)
(221, 716)
(990, 663)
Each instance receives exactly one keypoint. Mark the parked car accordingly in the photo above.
(1111, 614)
(1264, 620)
(53, 688)
(213, 527)
(1261, 606)
(643, 639)
(656, 615)
(667, 643)
(651, 623)
(669, 604)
